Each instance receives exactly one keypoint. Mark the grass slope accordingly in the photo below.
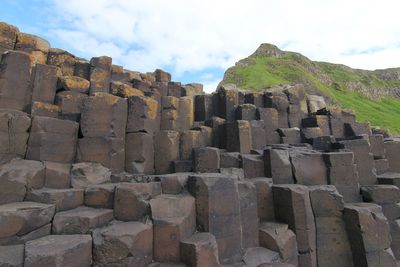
(272, 66)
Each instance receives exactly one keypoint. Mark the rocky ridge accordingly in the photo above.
(102, 166)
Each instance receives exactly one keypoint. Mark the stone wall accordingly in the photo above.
(105, 166)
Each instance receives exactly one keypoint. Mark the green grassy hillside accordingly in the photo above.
(373, 95)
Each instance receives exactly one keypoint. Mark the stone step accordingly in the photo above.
(59, 250)
(123, 244)
(370, 235)
(199, 250)
(174, 218)
(19, 220)
(80, 220)
(100, 196)
(254, 257)
(279, 238)
(392, 178)
(63, 199)
(18, 176)
(131, 201)
(12, 256)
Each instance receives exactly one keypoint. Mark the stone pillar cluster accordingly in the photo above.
(103, 166)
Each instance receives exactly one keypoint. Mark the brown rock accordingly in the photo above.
(124, 244)
(292, 206)
(18, 176)
(44, 83)
(124, 90)
(28, 42)
(173, 183)
(62, 59)
(49, 136)
(253, 166)
(15, 81)
(248, 214)
(80, 220)
(317, 175)
(277, 237)
(70, 104)
(219, 216)
(238, 137)
(8, 37)
(168, 143)
(265, 201)
(89, 173)
(131, 201)
(12, 256)
(20, 218)
(63, 199)
(108, 151)
(255, 257)
(104, 115)
(74, 83)
(143, 115)
(277, 166)
(44, 110)
(174, 219)
(100, 196)
(139, 153)
(57, 175)
(14, 126)
(200, 250)
(206, 159)
(100, 74)
(59, 250)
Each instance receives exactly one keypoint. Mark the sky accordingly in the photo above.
(197, 40)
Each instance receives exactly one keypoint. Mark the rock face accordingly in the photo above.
(102, 166)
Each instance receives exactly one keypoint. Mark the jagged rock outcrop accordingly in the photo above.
(102, 166)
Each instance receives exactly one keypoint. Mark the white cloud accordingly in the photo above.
(195, 35)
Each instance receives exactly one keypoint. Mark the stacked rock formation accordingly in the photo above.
(102, 166)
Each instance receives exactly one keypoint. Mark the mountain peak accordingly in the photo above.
(266, 49)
